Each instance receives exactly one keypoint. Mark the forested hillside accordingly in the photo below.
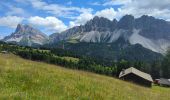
(69, 59)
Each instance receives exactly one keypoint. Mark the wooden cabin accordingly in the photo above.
(136, 76)
(163, 82)
(4, 52)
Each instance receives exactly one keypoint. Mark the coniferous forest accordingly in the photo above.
(159, 68)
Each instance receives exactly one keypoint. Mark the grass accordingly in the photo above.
(70, 59)
(73, 41)
(22, 79)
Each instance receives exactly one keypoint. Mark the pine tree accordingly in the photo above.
(166, 65)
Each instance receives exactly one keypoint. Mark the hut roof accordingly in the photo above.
(164, 81)
(136, 72)
(3, 51)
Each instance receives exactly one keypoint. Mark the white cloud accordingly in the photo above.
(11, 9)
(109, 13)
(15, 11)
(10, 21)
(50, 23)
(21, 1)
(58, 10)
(82, 19)
(110, 2)
(116, 2)
(1, 37)
(80, 15)
(156, 8)
(135, 7)
(95, 3)
(150, 4)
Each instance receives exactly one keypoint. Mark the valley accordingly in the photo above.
(84, 50)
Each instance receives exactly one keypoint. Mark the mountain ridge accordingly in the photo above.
(151, 33)
(26, 35)
(136, 30)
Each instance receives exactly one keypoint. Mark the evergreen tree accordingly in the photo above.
(156, 69)
(166, 65)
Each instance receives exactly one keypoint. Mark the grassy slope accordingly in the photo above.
(70, 58)
(26, 79)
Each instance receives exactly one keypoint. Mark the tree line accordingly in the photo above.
(49, 57)
(157, 68)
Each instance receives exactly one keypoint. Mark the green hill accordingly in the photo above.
(24, 79)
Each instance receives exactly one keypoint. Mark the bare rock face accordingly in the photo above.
(27, 36)
(151, 33)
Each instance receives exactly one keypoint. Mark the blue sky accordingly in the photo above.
(52, 16)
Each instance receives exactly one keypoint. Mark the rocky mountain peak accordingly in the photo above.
(20, 28)
(126, 17)
(99, 24)
(153, 28)
(27, 29)
(146, 17)
(148, 31)
(27, 35)
(126, 22)
(115, 21)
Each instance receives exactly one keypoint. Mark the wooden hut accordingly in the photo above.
(136, 76)
(4, 52)
(163, 82)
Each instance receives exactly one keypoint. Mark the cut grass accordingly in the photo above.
(24, 79)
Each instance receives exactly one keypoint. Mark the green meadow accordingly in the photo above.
(22, 79)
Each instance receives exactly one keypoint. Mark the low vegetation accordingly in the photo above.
(68, 59)
(25, 79)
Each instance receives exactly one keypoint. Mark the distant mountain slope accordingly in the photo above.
(27, 36)
(109, 52)
(23, 79)
(151, 33)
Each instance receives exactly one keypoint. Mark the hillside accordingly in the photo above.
(24, 79)
(112, 51)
